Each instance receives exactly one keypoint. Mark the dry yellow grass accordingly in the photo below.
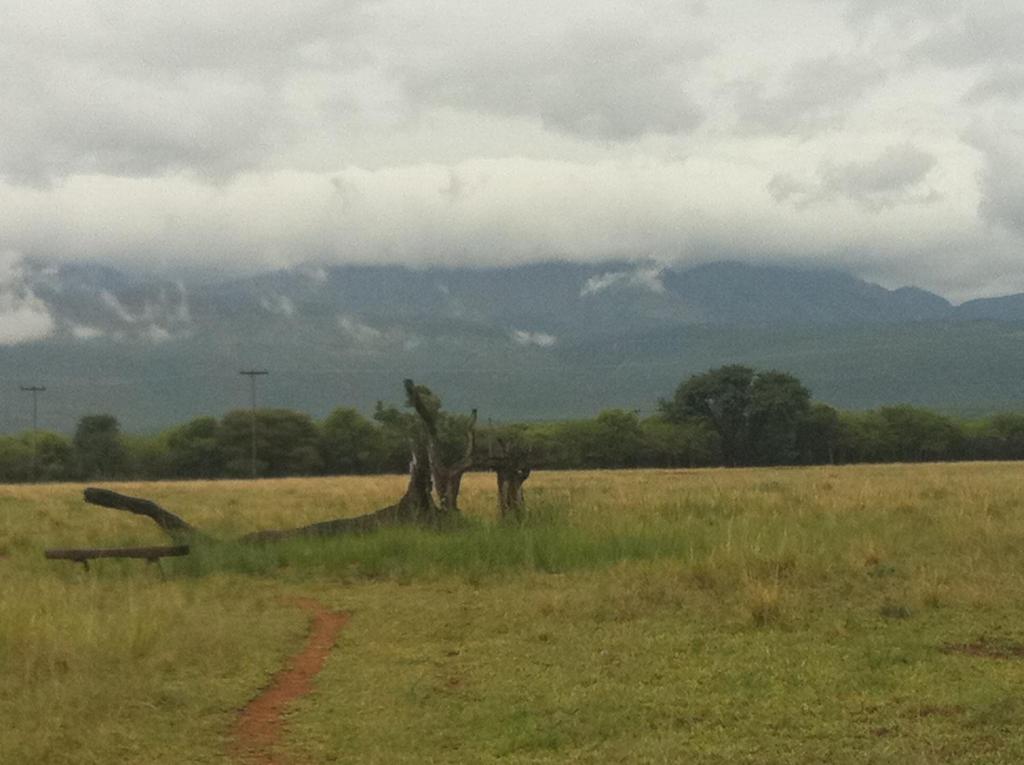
(795, 615)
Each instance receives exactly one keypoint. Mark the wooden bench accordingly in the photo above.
(85, 554)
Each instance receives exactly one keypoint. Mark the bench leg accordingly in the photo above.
(163, 574)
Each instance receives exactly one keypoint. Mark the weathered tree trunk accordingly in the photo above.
(416, 508)
(512, 466)
(447, 478)
(511, 505)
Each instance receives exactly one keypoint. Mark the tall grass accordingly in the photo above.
(474, 550)
(708, 616)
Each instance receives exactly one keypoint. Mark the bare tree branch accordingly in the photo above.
(176, 528)
(467, 458)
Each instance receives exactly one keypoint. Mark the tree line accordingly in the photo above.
(729, 416)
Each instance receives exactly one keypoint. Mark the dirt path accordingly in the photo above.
(258, 730)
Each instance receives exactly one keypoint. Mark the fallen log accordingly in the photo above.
(175, 527)
(407, 511)
(427, 473)
(416, 507)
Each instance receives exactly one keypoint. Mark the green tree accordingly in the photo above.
(721, 398)
(54, 457)
(194, 449)
(864, 437)
(1007, 431)
(756, 414)
(148, 456)
(819, 435)
(287, 443)
(918, 435)
(98, 447)
(15, 459)
(349, 443)
(685, 444)
(575, 444)
(556, 445)
(779, 405)
(616, 439)
(396, 428)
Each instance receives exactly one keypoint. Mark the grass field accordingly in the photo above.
(849, 615)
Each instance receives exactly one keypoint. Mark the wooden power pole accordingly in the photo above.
(35, 390)
(252, 374)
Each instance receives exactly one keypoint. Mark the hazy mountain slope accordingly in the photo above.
(1008, 308)
(735, 293)
(537, 341)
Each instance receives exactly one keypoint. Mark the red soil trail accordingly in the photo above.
(258, 730)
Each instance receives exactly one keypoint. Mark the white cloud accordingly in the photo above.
(160, 309)
(642, 277)
(377, 339)
(520, 210)
(316, 274)
(361, 333)
(24, 318)
(244, 136)
(109, 299)
(538, 339)
(156, 334)
(282, 305)
(85, 332)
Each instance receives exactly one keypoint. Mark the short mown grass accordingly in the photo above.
(860, 614)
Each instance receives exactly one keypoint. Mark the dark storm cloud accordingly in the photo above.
(985, 34)
(1002, 176)
(815, 94)
(903, 13)
(1001, 85)
(133, 88)
(614, 84)
(893, 177)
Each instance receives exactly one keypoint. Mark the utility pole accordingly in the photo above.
(252, 374)
(35, 390)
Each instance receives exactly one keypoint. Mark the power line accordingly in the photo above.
(252, 374)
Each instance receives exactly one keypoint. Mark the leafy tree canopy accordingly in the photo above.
(756, 414)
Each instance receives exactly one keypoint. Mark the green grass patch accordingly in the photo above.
(475, 551)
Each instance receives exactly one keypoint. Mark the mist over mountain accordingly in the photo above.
(547, 340)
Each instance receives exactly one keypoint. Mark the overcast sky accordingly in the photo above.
(885, 137)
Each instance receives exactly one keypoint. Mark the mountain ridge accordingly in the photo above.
(541, 340)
